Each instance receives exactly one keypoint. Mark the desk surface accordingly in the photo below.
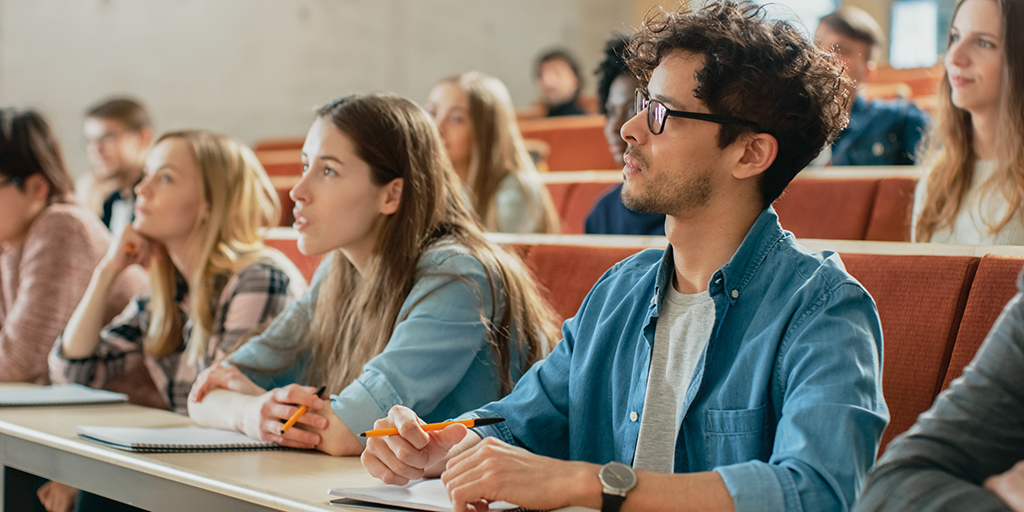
(287, 480)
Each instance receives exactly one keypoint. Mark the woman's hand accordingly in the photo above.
(131, 248)
(262, 416)
(223, 377)
(57, 497)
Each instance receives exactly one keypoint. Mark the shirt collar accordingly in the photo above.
(734, 276)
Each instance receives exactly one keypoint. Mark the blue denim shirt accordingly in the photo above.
(880, 133)
(438, 361)
(786, 400)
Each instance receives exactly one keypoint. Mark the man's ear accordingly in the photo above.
(392, 196)
(759, 151)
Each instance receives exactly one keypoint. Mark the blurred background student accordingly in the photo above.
(117, 133)
(975, 184)
(48, 248)
(412, 306)
(474, 115)
(881, 132)
(616, 88)
(560, 83)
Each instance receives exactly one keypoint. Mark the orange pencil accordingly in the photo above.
(302, 410)
(475, 422)
(129, 248)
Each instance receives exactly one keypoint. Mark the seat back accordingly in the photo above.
(836, 209)
(890, 217)
(920, 302)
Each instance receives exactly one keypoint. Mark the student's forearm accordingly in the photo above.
(82, 333)
(676, 492)
(220, 408)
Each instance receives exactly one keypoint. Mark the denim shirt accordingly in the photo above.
(438, 361)
(786, 400)
(880, 133)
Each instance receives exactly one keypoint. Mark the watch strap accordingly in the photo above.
(611, 502)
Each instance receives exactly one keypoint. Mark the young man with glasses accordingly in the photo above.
(734, 370)
(117, 135)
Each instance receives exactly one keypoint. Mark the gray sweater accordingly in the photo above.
(974, 430)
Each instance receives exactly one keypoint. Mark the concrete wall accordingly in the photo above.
(256, 68)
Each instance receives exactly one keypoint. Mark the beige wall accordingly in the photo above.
(256, 68)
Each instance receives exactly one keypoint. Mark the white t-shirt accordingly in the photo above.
(684, 327)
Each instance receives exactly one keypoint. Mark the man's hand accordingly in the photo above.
(496, 471)
(263, 416)
(223, 377)
(1009, 486)
(397, 459)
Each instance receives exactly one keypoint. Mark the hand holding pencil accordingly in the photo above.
(416, 450)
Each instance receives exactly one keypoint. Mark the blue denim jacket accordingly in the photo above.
(880, 133)
(785, 403)
(438, 361)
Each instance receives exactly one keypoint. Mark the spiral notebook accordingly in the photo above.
(173, 440)
(60, 394)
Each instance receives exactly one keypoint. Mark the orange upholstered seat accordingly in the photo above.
(827, 208)
(920, 302)
(994, 285)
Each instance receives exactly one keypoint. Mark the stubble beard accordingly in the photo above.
(661, 194)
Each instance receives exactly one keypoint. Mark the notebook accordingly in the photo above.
(173, 440)
(427, 495)
(60, 394)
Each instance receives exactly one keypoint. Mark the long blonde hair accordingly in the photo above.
(241, 201)
(950, 144)
(499, 151)
(356, 314)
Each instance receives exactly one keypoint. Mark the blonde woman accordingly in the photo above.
(975, 188)
(412, 306)
(201, 205)
(477, 122)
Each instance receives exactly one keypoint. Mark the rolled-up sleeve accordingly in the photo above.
(439, 334)
(120, 347)
(833, 411)
(975, 430)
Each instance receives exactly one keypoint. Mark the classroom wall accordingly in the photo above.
(256, 68)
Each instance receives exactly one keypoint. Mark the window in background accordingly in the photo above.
(914, 34)
(805, 12)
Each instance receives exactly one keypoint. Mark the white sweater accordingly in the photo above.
(982, 208)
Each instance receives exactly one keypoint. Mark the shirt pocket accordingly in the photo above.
(735, 436)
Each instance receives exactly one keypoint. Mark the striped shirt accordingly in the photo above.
(249, 299)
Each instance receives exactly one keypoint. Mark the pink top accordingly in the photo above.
(42, 282)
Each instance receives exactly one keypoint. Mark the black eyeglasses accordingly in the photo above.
(657, 113)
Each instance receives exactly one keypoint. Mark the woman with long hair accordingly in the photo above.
(48, 248)
(200, 209)
(974, 189)
(477, 122)
(412, 305)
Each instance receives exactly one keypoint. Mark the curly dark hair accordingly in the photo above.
(755, 69)
(610, 68)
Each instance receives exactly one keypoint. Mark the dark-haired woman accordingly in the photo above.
(412, 306)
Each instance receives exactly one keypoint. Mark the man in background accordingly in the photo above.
(560, 82)
(117, 134)
(615, 95)
(880, 132)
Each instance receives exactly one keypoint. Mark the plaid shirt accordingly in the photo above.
(249, 299)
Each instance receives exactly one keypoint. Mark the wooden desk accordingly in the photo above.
(42, 441)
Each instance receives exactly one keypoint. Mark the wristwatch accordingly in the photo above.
(617, 479)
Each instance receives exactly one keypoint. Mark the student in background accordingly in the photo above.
(974, 188)
(48, 248)
(202, 203)
(616, 88)
(734, 370)
(967, 451)
(411, 306)
(880, 132)
(474, 115)
(117, 134)
(560, 83)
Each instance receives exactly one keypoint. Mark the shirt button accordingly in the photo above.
(633, 416)
(735, 293)
(877, 149)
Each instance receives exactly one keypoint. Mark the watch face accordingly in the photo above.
(618, 476)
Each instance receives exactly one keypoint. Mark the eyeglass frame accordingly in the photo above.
(642, 99)
(16, 181)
